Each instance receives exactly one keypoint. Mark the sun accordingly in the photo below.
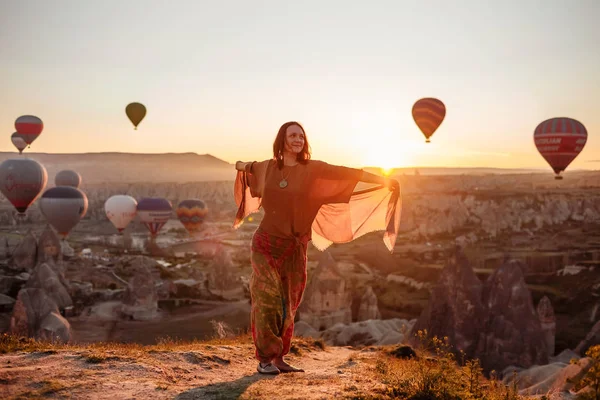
(380, 142)
(386, 156)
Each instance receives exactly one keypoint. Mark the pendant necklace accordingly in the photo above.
(283, 182)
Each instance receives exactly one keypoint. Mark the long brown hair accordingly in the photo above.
(279, 145)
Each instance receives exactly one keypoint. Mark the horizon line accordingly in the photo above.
(364, 167)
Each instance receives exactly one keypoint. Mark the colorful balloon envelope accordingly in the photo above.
(18, 141)
(120, 210)
(21, 181)
(29, 126)
(67, 177)
(63, 207)
(191, 214)
(428, 114)
(154, 212)
(559, 141)
(136, 113)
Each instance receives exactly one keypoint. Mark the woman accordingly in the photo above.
(302, 199)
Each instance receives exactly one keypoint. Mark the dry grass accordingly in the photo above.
(13, 344)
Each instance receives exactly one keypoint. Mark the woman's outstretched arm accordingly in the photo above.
(372, 178)
(243, 166)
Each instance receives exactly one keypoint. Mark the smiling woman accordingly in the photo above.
(303, 200)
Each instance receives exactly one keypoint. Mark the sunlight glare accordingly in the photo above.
(380, 142)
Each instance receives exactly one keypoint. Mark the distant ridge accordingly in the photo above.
(117, 167)
(207, 157)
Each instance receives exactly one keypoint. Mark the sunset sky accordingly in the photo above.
(221, 77)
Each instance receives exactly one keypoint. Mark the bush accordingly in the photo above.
(435, 374)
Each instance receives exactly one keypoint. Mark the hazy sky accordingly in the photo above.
(221, 77)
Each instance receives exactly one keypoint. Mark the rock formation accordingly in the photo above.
(140, 301)
(455, 309)
(545, 313)
(511, 330)
(495, 321)
(35, 314)
(368, 306)
(24, 256)
(592, 338)
(49, 246)
(326, 301)
(223, 276)
(44, 277)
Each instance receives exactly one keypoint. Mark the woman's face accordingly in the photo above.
(294, 139)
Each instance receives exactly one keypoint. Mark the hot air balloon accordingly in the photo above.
(120, 210)
(63, 207)
(67, 177)
(136, 113)
(191, 214)
(154, 212)
(428, 114)
(18, 141)
(29, 126)
(21, 181)
(559, 141)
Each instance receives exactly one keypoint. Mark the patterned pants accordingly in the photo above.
(276, 287)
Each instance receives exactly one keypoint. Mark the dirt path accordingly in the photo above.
(199, 371)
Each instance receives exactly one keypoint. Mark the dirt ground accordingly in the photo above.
(195, 371)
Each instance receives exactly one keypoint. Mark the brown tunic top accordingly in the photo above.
(290, 211)
(318, 199)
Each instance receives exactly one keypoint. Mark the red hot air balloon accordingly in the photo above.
(21, 181)
(154, 212)
(428, 114)
(559, 141)
(29, 127)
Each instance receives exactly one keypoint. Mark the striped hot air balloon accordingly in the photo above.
(18, 141)
(428, 114)
(154, 212)
(559, 141)
(63, 207)
(30, 127)
(191, 214)
(21, 181)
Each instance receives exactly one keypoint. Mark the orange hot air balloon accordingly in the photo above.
(428, 114)
(191, 213)
(559, 141)
(136, 113)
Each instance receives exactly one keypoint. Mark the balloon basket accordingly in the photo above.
(558, 177)
(427, 141)
(20, 218)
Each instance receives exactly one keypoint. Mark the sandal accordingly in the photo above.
(268, 369)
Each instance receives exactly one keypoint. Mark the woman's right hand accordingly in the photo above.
(239, 165)
(393, 185)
